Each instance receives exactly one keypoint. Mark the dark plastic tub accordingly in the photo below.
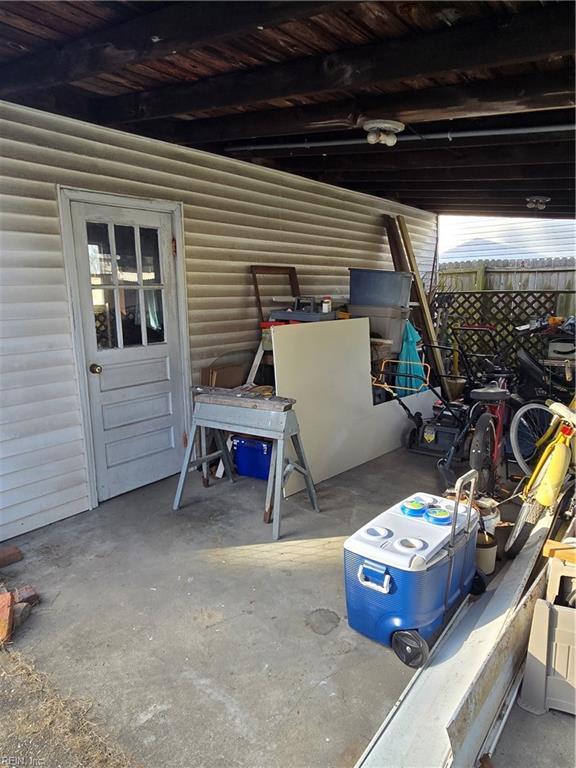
(379, 287)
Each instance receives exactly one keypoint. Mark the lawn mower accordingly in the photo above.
(446, 434)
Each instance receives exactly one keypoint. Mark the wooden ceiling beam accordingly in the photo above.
(496, 196)
(553, 153)
(493, 42)
(177, 28)
(417, 202)
(464, 210)
(501, 187)
(528, 93)
(551, 208)
(493, 174)
(546, 214)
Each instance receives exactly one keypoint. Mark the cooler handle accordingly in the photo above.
(470, 478)
(385, 588)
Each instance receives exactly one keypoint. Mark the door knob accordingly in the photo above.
(95, 368)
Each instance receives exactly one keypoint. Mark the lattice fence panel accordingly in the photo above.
(105, 324)
(504, 310)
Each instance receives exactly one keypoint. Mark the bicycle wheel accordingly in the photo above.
(531, 511)
(527, 518)
(529, 424)
(481, 452)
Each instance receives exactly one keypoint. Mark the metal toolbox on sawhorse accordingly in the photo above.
(231, 411)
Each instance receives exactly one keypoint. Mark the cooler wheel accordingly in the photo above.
(410, 648)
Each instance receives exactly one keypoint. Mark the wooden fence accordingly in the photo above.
(513, 275)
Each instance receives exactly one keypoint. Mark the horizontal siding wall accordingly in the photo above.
(235, 214)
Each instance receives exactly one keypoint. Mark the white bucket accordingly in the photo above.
(491, 520)
(490, 512)
(486, 552)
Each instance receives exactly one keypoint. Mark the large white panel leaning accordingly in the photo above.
(326, 368)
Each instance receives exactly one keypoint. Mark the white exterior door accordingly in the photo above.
(129, 309)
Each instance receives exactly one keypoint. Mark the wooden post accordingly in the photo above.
(480, 278)
(427, 320)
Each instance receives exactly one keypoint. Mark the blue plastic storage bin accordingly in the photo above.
(379, 287)
(252, 456)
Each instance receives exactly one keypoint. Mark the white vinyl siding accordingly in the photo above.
(235, 214)
(467, 238)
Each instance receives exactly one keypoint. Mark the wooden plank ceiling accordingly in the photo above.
(290, 85)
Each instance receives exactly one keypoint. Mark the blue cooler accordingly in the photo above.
(407, 567)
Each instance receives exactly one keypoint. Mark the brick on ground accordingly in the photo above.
(21, 612)
(10, 554)
(26, 594)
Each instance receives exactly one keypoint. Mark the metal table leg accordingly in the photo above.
(270, 485)
(184, 470)
(278, 483)
(222, 446)
(203, 452)
(297, 443)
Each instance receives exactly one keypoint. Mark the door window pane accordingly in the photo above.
(130, 316)
(125, 254)
(126, 279)
(150, 255)
(154, 316)
(104, 317)
(99, 253)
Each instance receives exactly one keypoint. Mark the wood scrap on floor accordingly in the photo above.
(10, 554)
(563, 550)
(15, 608)
(6, 616)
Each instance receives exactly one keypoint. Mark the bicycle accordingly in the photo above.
(488, 445)
(531, 424)
(532, 427)
(536, 381)
(550, 486)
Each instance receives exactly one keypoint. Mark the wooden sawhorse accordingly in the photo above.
(240, 414)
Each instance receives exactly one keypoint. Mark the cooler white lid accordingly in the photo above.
(409, 543)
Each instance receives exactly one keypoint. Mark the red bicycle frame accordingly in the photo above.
(498, 413)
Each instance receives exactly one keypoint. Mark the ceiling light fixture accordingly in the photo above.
(383, 131)
(537, 201)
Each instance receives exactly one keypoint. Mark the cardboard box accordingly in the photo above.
(230, 376)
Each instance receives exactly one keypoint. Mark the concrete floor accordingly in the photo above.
(204, 644)
(536, 741)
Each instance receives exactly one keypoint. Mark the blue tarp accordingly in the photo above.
(410, 370)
